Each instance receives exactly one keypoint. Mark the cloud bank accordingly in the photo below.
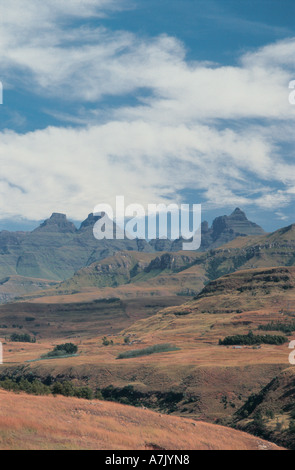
(222, 131)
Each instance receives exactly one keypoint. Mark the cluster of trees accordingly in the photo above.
(67, 389)
(250, 340)
(25, 338)
(66, 349)
(286, 328)
(36, 387)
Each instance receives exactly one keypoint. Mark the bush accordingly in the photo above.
(66, 349)
(98, 395)
(106, 342)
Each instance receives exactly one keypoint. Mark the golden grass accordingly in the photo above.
(33, 423)
(200, 368)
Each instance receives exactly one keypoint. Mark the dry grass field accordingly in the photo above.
(58, 423)
(200, 380)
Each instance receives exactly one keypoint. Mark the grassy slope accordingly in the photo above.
(78, 319)
(207, 374)
(28, 422)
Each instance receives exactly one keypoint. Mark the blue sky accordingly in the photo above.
(179, 100)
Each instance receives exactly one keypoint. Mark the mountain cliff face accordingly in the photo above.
(272, 250)
(224, 229)
(57, 249)
(57, 223)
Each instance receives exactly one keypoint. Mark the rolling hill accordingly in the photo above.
(47, 423)
(199, 379)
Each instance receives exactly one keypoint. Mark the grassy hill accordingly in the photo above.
(199, 378)
(78, 319)
(16, 286)
(139, 268)
(43, 423)
(242, 300)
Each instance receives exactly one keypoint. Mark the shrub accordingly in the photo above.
(66, 349)
(106, 341)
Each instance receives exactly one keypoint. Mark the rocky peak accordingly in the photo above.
(238, 214)
(227, 227)
(57, 223)
(204, 226)
(89, 222)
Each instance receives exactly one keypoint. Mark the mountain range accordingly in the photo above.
(187, 272)
(57, 249)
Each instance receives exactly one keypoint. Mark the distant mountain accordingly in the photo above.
(276, 249)
(133, 267)
(224, 229)
(57, 249)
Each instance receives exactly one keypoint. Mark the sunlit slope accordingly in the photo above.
(242, 299)
(31, 423)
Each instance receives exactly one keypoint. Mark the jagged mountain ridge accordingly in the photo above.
(57, 249)
(223, 230)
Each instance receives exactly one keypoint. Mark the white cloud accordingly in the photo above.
(73, 170)
(175, 138)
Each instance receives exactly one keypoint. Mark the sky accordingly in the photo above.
(183, 101)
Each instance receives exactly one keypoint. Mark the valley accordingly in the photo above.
(177, 306)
